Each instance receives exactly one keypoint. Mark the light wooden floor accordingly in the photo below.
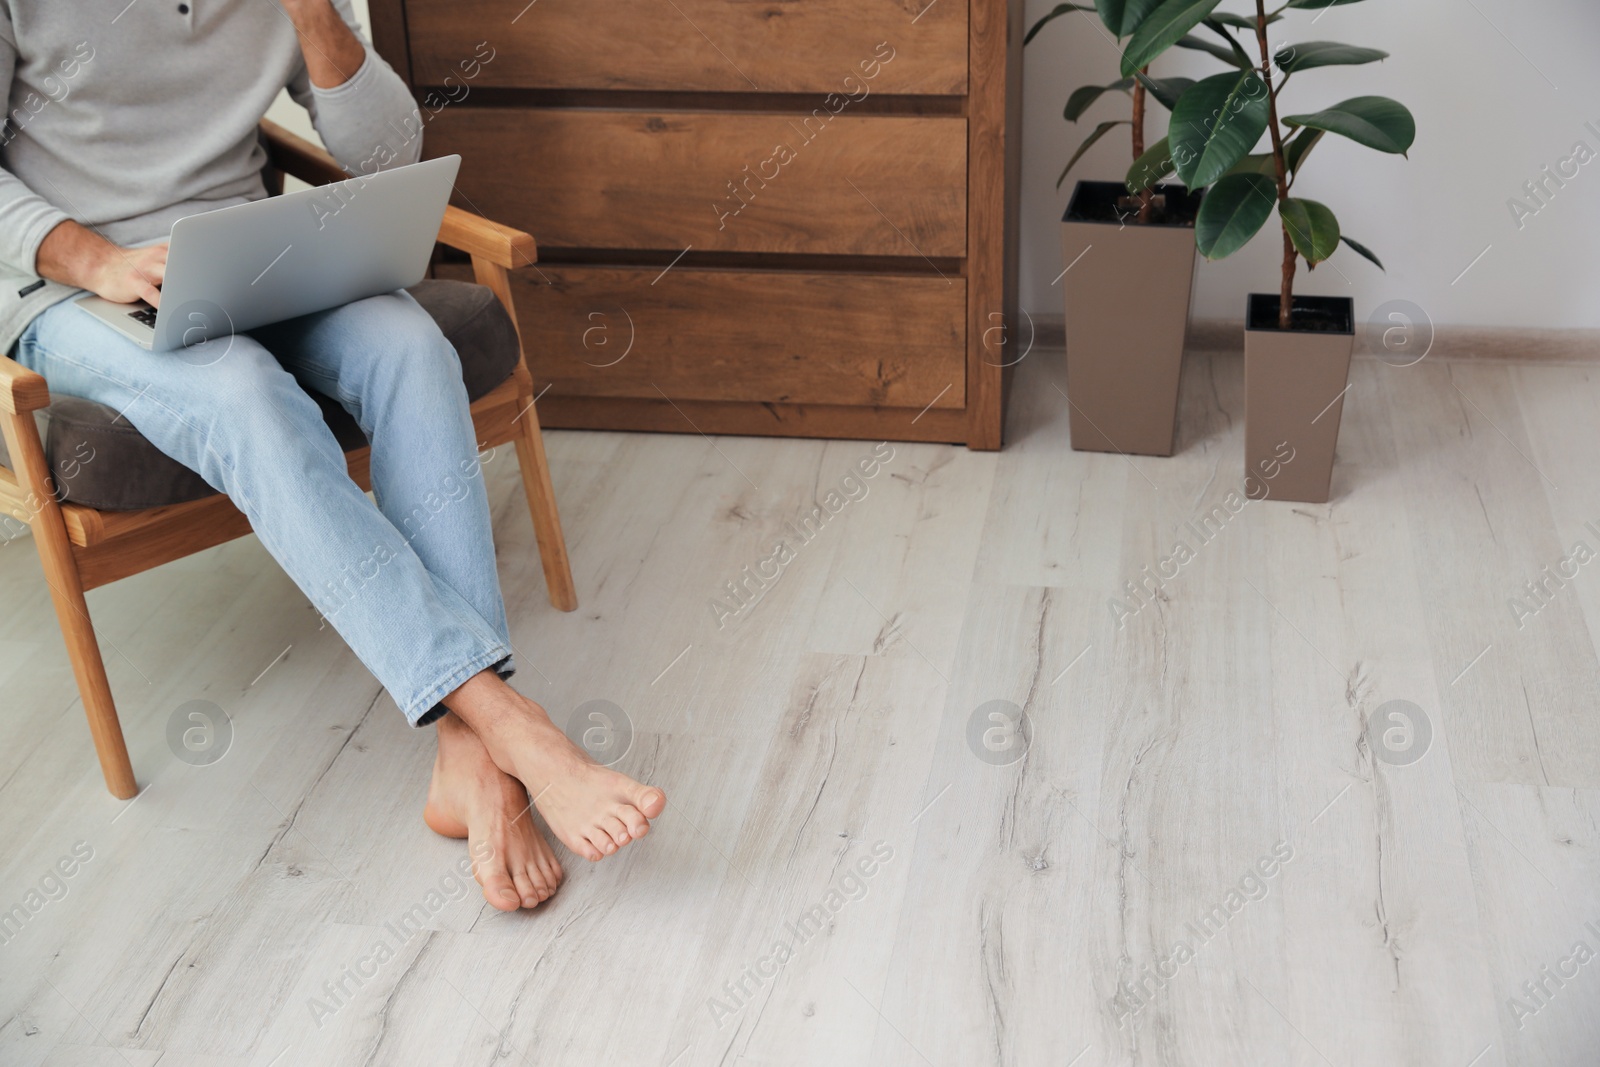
(1168, 759)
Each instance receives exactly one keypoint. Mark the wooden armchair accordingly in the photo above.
(83, 547)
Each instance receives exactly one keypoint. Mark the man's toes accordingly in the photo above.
(527, 888)
(542, 887)
(649, 800)
(636, 823)
(581, 845)
(599, 844)
(613, 826)
(498, 888)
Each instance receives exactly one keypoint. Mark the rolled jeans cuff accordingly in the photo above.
(426, 709)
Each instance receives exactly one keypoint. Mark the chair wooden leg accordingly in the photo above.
(72, 611)
(32, 498)
(530, 454)
(542, 506)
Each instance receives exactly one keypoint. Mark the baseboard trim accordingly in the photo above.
(1477, 343)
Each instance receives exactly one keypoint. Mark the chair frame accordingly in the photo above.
(82, 548)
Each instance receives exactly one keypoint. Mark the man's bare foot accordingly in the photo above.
(592, 809)
(471, 798)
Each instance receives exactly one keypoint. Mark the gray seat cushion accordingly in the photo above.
(129, 473)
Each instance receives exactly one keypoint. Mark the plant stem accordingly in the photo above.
(1138, 119)
(1286, 288)
(1145, 199)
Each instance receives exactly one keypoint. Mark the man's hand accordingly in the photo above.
(333, 54)
(76, 256)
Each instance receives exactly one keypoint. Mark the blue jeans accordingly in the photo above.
(410, 583)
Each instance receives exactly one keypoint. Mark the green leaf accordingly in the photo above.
(1295, 152)
(1293, 57)
(1150, 168)
(1215, 123)
(1161, 29)
(1361, 250)
(1317, 3)
(1055, 13)
(1200, 44)
(1122, 17)
(1240, 56)
(1233, 211)
(1088, 142)
(1374, 121)
(1312, 228)
(1260, 163)
(1165, 90)
(1082, 98)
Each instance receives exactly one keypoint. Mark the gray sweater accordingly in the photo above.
(128, 116)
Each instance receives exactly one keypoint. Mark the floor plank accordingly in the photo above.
(1189, 728)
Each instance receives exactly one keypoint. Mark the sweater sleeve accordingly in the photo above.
(370, 121)
(25, 216)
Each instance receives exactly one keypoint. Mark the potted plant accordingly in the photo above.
(1127, 305)
(1297, 348)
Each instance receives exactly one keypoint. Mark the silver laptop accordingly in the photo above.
(240, 267)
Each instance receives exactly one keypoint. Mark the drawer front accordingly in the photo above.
(877, 340)
(720, 182)
(775, 46)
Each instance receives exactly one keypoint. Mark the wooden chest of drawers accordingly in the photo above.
(790, 217)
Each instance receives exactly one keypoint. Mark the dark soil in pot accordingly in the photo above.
(1308, 314)
(1109, 202)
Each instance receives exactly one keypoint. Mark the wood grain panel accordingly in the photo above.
(388, 19)
(994, 121)
(723, 335)
(689, 45)
(745, 419)
(720, 182)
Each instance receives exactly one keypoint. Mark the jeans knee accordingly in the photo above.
(418, 372)
(257, 417)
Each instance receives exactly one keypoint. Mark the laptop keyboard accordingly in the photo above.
(147, 316)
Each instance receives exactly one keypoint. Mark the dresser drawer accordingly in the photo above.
(770, 46)
(878, 340)
(721, 182)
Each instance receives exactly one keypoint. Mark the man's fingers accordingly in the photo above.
(150, 295)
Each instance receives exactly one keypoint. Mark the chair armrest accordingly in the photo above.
(461, 230)
(293, 154)
(482, 238)
(21, 390)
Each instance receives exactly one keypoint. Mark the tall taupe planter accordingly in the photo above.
(1127, 299)
(1294, 385)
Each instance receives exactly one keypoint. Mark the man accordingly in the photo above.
(125, 116)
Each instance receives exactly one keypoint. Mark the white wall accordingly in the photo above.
(1487, 121)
